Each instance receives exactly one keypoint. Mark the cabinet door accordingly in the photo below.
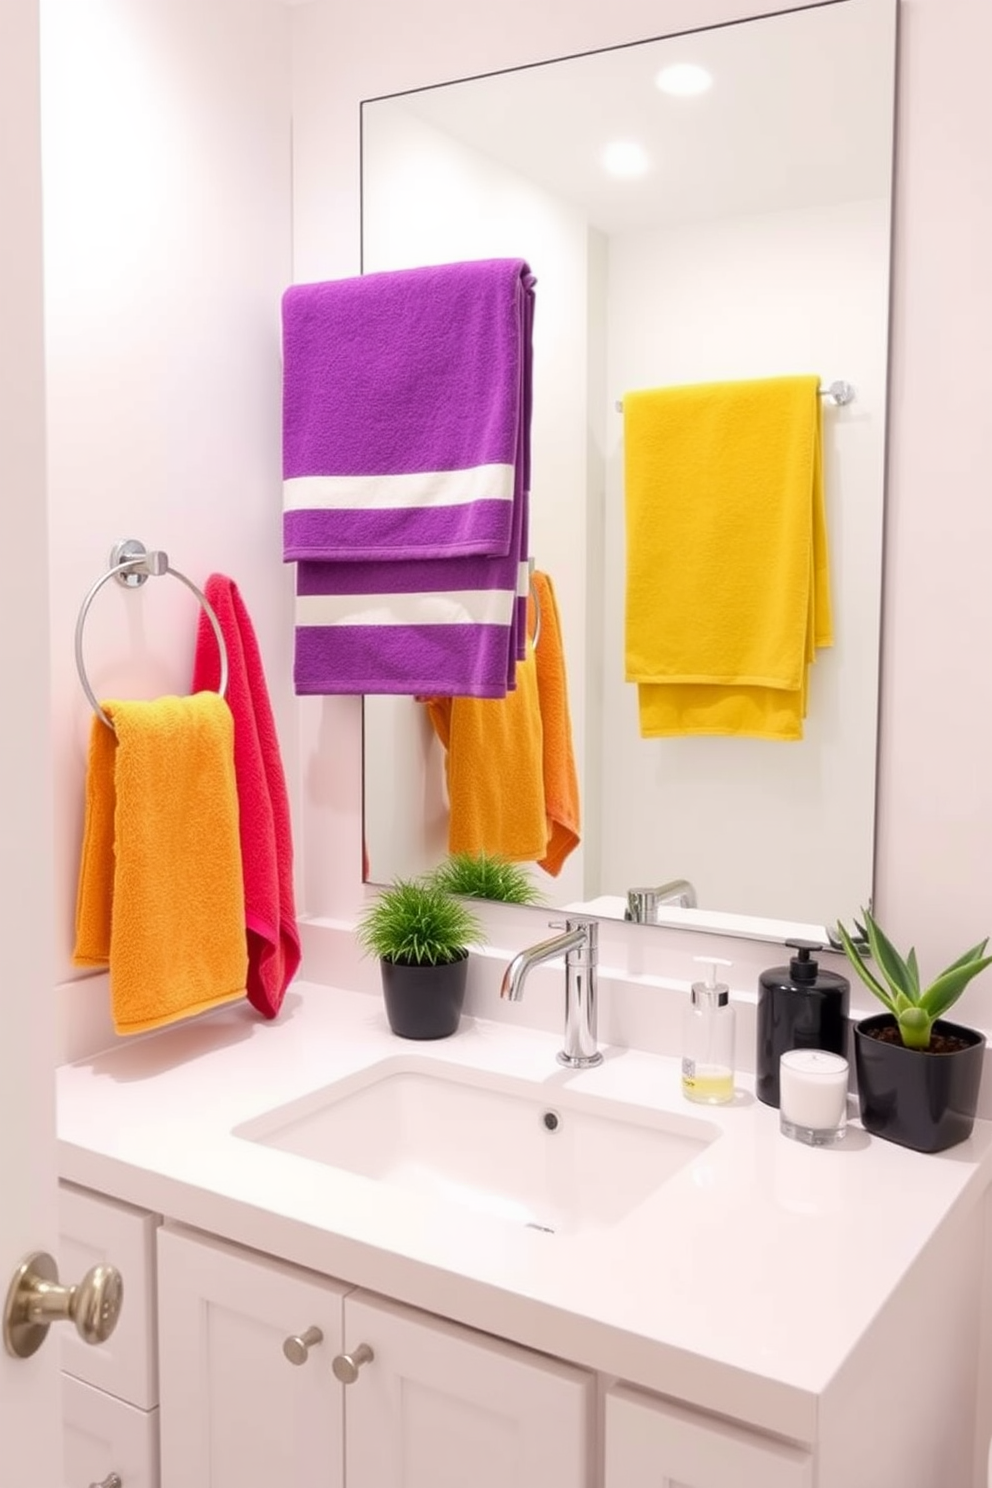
(652, 1443)
(103, 1436)
(439, 1406)
(94, 1230)
(235, 1412)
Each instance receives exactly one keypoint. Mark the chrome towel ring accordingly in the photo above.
(131, 564)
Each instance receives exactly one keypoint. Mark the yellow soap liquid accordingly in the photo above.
(707, 1084)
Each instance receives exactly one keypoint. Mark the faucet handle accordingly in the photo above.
(587, 924)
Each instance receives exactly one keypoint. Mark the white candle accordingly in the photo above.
(813, 1089)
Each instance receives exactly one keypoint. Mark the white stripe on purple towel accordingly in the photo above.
(410, 489)
(466, 607)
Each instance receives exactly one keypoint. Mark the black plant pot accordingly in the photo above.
(424, 1002)
(910, 1096)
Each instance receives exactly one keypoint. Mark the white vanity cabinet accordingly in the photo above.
(105, 1440)
(653, 1443)
(434, 1405)
(110, 1394)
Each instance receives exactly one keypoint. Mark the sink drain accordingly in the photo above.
(550, 1120)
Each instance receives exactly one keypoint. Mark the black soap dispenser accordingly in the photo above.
(799, 1007)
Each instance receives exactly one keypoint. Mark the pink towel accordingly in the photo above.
(266, 834)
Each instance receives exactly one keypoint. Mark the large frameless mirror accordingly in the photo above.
(703, 207)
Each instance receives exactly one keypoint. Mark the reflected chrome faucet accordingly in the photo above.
(643, 904)
(580, 947)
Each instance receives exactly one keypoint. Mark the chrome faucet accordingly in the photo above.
(580, 947)
(643, 904)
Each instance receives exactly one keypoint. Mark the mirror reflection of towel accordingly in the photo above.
(727, 571)
(160, 900)
(512, 784)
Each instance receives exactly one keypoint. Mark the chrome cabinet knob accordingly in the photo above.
(112, 1480)
(298, 1345)
(347, 1366)
(35, 1300)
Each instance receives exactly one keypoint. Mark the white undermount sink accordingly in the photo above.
(528, 1154)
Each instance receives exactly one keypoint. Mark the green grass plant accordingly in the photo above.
(418, 923)
(486, 876)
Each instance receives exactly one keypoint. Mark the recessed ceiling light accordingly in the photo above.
(625, 159)
(683, 80)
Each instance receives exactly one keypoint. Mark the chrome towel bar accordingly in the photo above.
(840, 393)
(131, 564)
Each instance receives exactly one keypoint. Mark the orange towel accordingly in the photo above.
(561, 781)
(494, 767)
(160, 897)
(512, 784)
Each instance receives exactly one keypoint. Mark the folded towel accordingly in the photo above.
(160, 898)
(727, 571)
(406, 462)
(265, 827)
(561, 784)
(404, 411)
(512, 785)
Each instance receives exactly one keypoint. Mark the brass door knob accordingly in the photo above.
(298, 1345)
(346, 1366)
(35, 1300)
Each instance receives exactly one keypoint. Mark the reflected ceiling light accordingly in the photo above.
(683, 80)
(625, 159)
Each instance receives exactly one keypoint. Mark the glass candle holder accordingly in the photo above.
(813, 1096)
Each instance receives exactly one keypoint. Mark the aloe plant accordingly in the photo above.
(898, 987)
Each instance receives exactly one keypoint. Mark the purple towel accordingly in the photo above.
(406, 459)
(402, 412)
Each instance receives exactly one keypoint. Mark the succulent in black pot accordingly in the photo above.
(919, 1076)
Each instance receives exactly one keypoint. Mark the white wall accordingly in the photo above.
(161, 452)
(757, 825)
(166, 171)
(429, 199)
(935, 812)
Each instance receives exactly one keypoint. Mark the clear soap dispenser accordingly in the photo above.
(708, 1040)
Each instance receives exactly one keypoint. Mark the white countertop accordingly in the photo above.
(742, 1284)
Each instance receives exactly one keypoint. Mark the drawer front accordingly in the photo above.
(94, 1229)
(103, 1436)
(655, 1443)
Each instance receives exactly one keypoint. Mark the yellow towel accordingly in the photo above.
(727, 570)
(512, 785)
(160, 895)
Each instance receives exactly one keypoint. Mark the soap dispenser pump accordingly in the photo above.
(799, 1007)
(708, 1040)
